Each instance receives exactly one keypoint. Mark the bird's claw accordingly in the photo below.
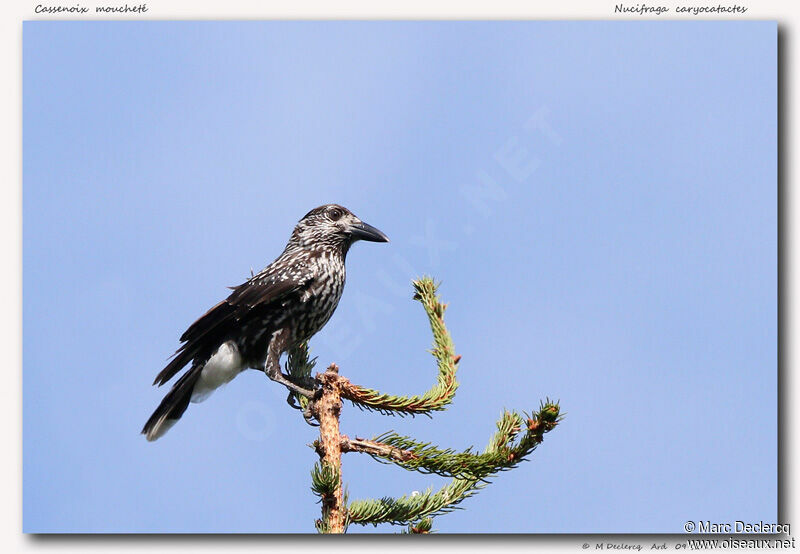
(308, 414)
(292, 401)
(308, 411)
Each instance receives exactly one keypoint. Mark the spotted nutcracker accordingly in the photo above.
(283, 305)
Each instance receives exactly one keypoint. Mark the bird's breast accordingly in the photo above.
(320, 301)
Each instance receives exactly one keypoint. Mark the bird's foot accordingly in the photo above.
(286, 382)
(308, 411)
(292, 401)
(308, 414)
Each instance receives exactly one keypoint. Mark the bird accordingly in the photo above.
(280, 307)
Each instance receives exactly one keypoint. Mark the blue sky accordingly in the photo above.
(597, 198)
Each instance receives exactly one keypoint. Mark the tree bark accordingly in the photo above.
(327, 410)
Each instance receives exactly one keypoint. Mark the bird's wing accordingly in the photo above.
(254, 294)
(205, 334)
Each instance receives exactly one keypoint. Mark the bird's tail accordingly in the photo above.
(172, 406)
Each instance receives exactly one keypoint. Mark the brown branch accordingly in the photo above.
(327, 409)
(375, 448)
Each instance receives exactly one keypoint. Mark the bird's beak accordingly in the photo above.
(364, 231)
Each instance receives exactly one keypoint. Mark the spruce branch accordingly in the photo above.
(442, 393)
(500, 454)
(424, 457)
(399, 511)
(376, 449)
(517, 436)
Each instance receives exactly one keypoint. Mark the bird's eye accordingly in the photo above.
(335, 214)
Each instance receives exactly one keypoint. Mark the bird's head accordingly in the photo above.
(334, 226)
